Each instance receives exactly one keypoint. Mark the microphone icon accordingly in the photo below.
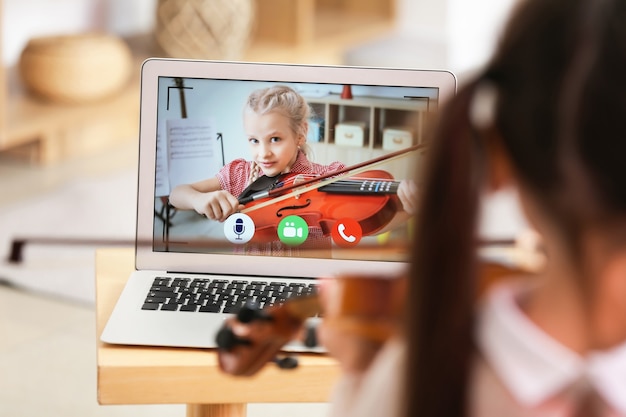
(239, 228)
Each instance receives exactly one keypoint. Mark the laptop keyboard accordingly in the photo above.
(218, 295)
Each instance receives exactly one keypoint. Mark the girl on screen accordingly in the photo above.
(276, 124)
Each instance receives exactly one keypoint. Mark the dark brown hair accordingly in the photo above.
(560, 78)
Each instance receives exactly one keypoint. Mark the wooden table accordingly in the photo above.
(156, 375)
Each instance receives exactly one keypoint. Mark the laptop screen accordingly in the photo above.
(311, 157)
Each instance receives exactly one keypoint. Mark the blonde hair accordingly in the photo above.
(289, 103)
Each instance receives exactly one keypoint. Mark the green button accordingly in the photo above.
(293, 230)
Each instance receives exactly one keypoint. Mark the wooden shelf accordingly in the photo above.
(316, 31)
(374, 114)
(288, 31)
(44, 132)
(301, 22)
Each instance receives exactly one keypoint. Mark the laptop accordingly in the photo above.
(192, 272)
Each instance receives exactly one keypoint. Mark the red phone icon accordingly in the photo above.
(347, 232)
(341, 230)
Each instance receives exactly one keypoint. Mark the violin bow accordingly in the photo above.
(283, 193)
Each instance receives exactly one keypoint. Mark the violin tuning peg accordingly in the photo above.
(310, 337)
(287, 362)
(250, 312)
(226, 339)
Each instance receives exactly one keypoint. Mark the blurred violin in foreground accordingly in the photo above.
(364, 310)
(368, 308)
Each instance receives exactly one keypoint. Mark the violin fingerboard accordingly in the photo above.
(367, 187)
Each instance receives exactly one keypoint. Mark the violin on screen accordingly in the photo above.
(369, 198)
(358, 192)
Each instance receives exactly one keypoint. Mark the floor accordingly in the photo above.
(47, 344)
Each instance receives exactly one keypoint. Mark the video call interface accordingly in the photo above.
(355, 214)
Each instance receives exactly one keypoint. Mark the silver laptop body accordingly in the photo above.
(191, 125)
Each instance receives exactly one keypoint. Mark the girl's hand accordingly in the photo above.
(216, 205)
(408, 193)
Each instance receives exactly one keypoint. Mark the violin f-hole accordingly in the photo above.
(279, 211)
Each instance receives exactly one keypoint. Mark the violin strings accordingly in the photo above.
(297, 177)
(348, 182)
(350, 170)
(374, 186)
(365, 181)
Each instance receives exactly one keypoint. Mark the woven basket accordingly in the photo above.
(204, 29)
(75, 68)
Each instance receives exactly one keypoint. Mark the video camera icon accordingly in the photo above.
(293, 230)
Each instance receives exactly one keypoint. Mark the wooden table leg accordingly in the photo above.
(216, 410)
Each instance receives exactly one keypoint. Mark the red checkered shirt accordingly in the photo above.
(234, 176)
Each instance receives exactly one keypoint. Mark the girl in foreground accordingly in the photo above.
(548, 117)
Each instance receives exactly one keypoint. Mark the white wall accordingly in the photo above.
(127, 17)
(422, 18)
(23, 19)
(473, 29)
(468, 29)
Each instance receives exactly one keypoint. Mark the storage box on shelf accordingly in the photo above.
(397, 137)
(350, 133)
